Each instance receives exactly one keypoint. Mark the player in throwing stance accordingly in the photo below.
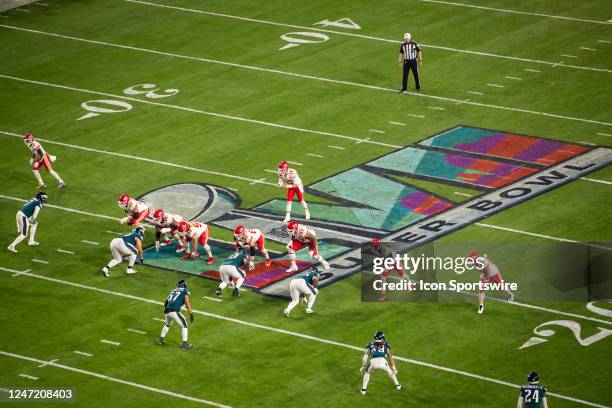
(305, 286)
(290, 179)
(40, 158)
(489, 273)
(195, 233)
(130, 245)
(378, 351)
(136, 211)
(177, 297)
(250, 238)
(302, 236)
(26, 220)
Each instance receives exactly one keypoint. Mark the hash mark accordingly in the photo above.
(114, 343)
(376, 131)
(495, 85)
(39, 261)
(475, 93)
(397, 123)
(336, 147)
(31, 377)
(532, 70)
(63, 251)
(82, 353)
(315, 155)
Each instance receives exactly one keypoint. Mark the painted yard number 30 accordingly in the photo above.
(297, 38)
(574, 327)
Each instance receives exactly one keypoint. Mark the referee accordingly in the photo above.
(409, 52)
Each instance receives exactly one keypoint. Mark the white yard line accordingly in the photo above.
(64, 251)
(416, 116)
(336, 147)
(587, 143)
(439, 107)
(41, 4)
(588, 49)
(260, 181)
(532, 70)
(193, 110)
(309, 337)
(315, 155)
(475, 93)
(117, 380)
(21, 273)
(462, 194)
(604, 134)
(604, 41)
(46, 363)
(379, 88)
(82, 353)
(90, 242)
(31, 377)
(40, 261)
(211, 298)
(514, 78)
(560, 63)
(129, 156)
(137, 331)
(597, 181)
(495, 85)
(569, 56)
(450, 3)
(397, 123)
(112, 343)
(376, 131)
(368, 37)
(22, 10)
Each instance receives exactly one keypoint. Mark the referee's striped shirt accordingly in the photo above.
(410, 50)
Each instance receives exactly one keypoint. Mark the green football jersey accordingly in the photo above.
(532, 395)
(308, 277)
(130, 239)
(380, 349)
(235, 259)
(176, 298)
(30, 206)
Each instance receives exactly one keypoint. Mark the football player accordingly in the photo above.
(130, 245)
(304, 286)
(195, 233)
(177, 297)
(164, 223)
(137, 211)
(250, 238)
(489, 273)
(383, 251)
(233, 268)
(27, 220)
(533, 395)
(378, 351)
(302, 236)
(289, 179)
(40, 158)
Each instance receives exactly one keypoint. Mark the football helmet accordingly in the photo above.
(533, 377)
(181, 284)
(292, 226)
(379, 336)
(474, 255)
(158, 215)
(239, 231)
(28, 138)
(42, 196)
(283, 167)
(183, 227)
(375, 242)
(123, 201)
(140, 231)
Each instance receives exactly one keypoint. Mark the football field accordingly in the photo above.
(193, 104)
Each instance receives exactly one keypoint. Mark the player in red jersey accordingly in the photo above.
(195, 233)
(251, 238)
(40, 158)
(137, 211)
(290, 179)
(166, 222)
(488, 273)
(303, 236)
(383, 251)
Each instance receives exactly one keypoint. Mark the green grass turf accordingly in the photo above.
(240, 365)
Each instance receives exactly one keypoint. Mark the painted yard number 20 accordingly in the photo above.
(297, 38)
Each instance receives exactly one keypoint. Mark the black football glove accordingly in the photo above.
(191, 317)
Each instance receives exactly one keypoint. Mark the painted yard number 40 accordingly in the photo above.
(295, 39)
(574, 327)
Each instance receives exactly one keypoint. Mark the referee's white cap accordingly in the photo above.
(407, 36)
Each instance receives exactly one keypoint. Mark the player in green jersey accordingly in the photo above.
(304, 285)
(177, 297)
(532, 395)
(130, 245)
(27, 220)
(233, 268)
(378, 351)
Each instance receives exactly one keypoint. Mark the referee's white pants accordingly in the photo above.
(299, 287)
(229, 272)
(119, 249)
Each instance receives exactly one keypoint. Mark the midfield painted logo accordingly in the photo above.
(377, 199)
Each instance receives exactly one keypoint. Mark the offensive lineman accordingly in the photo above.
(177, 297)
(289, 179)
(304, 285)
(166, 222)
(302, 236)
(489, 273)
(129, 244)
(251, 238)
(383, 251)
(532, 394)
(40, 158)
(194, 233)
(378, 351)
(137, 211)
(26, 219)
(233, 268)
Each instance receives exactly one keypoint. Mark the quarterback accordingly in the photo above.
(289, 179)
(40, 158)
(251, 238)
(303, 236)
(26, 220)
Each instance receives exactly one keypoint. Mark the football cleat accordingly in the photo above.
(105, 272)
(480, 309)
(218, 292)
(292, 226)
(130, 271)
(186, 346)
(325, 265)
(211, 260)
(292, 268)
(180, 249)
(363, 391)
(307, 214)
(183, 227)
(511, 298)
(186, 256)
(398, 387)
(33, 243)
(268, 262)
(382, 297)
(287, 218)
(236, 292)
(61, 184)
(160, 341)
(41, 186)
(283, 167)
(11, 248)
(123, 201)
(286, 312)
(309, 310)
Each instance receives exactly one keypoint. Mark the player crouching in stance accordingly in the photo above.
(40, 158)
(130, 245)
(250, 238)
(383, 251)
(290, 179)
(195, 233)
(305, 286)
(136, 211)
(26, 220)
(378, 351)
(532, 395)
(233, 268)
(489, 273)
(164, 223)
(302, 236)
(177, 297)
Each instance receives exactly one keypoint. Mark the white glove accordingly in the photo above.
(251, 266)
(157, 246)
(123, 220)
